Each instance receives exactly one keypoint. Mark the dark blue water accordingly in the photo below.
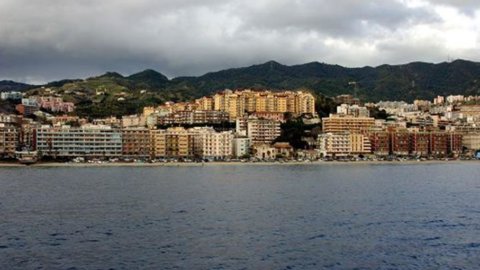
(241, 217)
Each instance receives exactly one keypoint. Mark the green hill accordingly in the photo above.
(115, 94)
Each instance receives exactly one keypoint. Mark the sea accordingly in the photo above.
(329, 216)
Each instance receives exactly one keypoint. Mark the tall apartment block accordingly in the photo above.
(8, 141)
(342, 123)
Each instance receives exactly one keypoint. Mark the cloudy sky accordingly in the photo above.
(44, 40)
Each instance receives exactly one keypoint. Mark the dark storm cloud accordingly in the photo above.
(53, 39)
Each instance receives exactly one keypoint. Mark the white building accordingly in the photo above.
(86, 141)
(241, 146)
(343, 144)
(260, 131)
(353, 110)
(11, 95)
(211, 144)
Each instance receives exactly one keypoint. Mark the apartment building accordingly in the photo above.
(420, 143)
(193, 117)
(205, 103)
(136, 142)
(209, 144)
(343, 144)
(8, 141)
(400, 142)
(172, 143)
(380, 142)
(241, 146)
(236, 103)
(341, 123)
(261, 131)
(90, 141)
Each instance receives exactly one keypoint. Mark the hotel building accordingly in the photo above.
(8, 141)
(136, 142)
(87, 141)
(172, 143)
(341, 123)
(210, 144)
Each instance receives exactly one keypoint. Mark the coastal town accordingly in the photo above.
(243, 125)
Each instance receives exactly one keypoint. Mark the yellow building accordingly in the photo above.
(136, 142)
(343, 144)
(8, 141)
(204, 103)
(148, 110)
(340, 123)
(172, 142)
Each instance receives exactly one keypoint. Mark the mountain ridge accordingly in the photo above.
(415, 80)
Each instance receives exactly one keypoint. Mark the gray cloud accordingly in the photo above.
(44, 40)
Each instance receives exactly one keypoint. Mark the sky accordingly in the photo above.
(46, 40)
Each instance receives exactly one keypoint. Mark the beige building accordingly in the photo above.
(264, 151)
(343, 144)
(8, 141)
(260, 131)
(236, 103)
(136, 142)
(204, 103)
(471, 141)
(172, 143)
(133, 121)
(211, 144)
(341, 123)
(241, 146)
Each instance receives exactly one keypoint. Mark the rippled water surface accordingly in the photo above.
(241, 217)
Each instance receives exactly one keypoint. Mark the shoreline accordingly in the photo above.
(235, 163)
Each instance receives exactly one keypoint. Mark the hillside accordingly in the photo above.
(13, 86)
(113, 93)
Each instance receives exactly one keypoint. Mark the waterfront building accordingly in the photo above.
(380, 142)
(172, 143)
(420, 143)
(400, 142)
(136, 142)
(90, 141)
(8, 141)
(439, 144)
(342, 123)
(455, 146)
(471, 141)
(264, 151)
(283, 149)
(241, 146)
(209, 144)
(262, 131)
(343, 144)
